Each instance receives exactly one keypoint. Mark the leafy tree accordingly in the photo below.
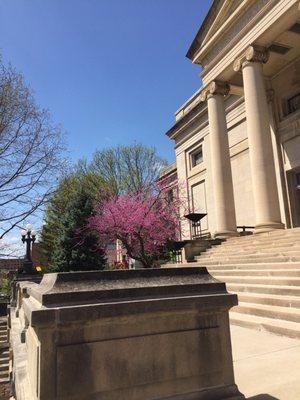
(65, 241)
(76, 248)
(128, 169)
(115, 171)
(56, 209)
(143, 222)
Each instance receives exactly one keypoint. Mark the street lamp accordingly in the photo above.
(28, 237)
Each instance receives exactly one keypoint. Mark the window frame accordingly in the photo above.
(193, 155)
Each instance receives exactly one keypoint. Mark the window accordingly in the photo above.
(170, 196)
(293, 103)
(197, 157)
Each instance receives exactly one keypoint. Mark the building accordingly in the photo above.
(9, 264)
(237, 139)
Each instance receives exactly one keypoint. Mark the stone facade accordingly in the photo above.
(237, 139)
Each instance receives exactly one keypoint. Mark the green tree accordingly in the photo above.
(76, 248)
(128, 169)
(123, 169)
(65, 241)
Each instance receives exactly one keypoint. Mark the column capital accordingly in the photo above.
(253, 53)
(214, 88)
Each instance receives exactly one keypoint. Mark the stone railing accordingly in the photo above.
(136, 334)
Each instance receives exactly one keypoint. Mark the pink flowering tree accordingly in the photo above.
(143, 222)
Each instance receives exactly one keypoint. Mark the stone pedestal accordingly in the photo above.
(160, 334)
(195, 247)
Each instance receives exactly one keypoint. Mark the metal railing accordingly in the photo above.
(246, 229)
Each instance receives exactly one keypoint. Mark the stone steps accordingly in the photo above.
(4, 375)
(279, 327)
(280, 234)
(265, 254)
(293, 251)
(261, 243)
(264, 271)
(264, 310)
(258, 272)
(269, 299)
(263, 289)
(245, 260)
(4, 367)
(264, 280)
(251, 266)
(4, 352)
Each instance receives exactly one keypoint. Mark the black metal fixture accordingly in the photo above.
(28, 237)
(177, 247)
(195, 219)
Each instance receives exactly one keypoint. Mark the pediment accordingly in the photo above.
(218, 14)
(227, 9)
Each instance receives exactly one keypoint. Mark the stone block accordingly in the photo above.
(160, 334)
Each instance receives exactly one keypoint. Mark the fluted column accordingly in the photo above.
(220, 160)
(265, 192)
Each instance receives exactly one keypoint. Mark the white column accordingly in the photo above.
(220, 161)
(265, 191)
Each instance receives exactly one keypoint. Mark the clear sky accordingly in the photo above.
(110, 71)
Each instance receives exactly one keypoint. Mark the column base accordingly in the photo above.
(268, 226)
(225, 234)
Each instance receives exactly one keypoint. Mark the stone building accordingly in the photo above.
(237, 139)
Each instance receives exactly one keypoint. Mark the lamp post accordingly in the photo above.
(28, 237)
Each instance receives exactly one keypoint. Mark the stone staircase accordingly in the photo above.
(264, 271)
(5, 385)
(4, 352)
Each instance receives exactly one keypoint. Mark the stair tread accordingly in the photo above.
(224, 261)
(247, 256)
(279, 309)
(269, 296)
(252, 250)
(260, 263)
(265, 320)
(264, 270)
(253, 267)
(258, 273)
(275, 278)
(261, 285)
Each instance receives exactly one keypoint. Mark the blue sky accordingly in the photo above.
(110, 71)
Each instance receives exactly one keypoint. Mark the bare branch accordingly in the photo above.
(31, 149)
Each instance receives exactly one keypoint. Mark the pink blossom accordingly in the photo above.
(143, 223)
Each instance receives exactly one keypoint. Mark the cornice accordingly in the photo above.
(197, 112)
(204, 28)
(187, 119)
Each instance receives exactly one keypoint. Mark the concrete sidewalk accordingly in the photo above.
(266, 366)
